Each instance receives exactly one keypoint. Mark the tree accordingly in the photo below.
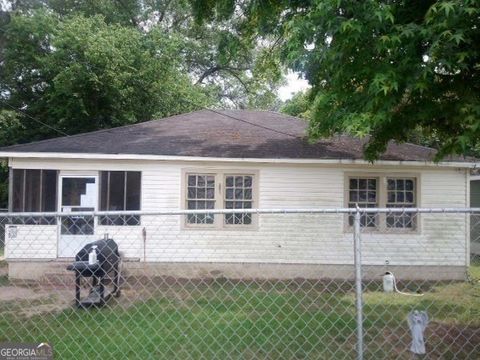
(81, 74)
(237, 70)
(386, 69)
(299, 105)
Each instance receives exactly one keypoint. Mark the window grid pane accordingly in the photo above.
(364, 192)
(401, 194)
(200, 195)
(238, 195)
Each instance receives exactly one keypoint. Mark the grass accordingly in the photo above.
(474, 270)
(270, 320)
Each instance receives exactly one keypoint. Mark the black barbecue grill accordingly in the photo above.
(105, 271)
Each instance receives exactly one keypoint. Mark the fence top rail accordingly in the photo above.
(246, 211)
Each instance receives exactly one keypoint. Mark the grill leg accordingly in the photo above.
(102, 292)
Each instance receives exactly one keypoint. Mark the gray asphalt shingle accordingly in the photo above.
(222, 133)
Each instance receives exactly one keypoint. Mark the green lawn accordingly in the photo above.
(271, 320)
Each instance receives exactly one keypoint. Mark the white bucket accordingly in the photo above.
(388, 282)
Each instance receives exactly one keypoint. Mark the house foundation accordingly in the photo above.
(44, 270)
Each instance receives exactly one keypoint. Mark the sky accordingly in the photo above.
(294, 85)
(5, 5)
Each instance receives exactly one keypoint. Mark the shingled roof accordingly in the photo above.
(221, 134)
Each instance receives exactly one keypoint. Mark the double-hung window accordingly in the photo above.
(384, 191)
(238, 195)
(120, 191)
(219, 190)
(364, 192)
(200, 196)
(401, 194)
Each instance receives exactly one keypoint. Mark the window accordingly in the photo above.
(219, 190)
(383, 191)
(120, 191)
(200, 196)
(34, 191)
(363, 191)
(400, 194)
(238, 195)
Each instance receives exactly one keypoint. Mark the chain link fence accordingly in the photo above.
(296, 283)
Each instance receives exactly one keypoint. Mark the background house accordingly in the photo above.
(233, 159)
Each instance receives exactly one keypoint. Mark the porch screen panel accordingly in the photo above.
(117, 191)
(18, 186)
(49, 193)
(34, 191)
(120, 191)
(133, 194)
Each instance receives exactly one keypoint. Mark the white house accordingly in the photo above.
(233, 159)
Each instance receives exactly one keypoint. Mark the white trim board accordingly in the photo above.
(56, 155)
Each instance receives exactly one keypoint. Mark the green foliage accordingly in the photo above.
(80, 74)
(10, 127)
(89, 64)
(386, 69)
(299, 105)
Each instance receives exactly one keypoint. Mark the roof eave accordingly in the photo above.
(99, 156)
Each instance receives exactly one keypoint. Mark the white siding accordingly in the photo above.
(30, 241)
(303, 238)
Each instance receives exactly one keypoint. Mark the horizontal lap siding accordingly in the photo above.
(293, 238)
(30, 241)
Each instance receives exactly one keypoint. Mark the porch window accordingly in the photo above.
(120, 191)
(34, 191)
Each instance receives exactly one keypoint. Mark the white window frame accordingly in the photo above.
(220, 181)
(382, 193)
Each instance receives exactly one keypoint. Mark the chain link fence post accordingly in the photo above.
(357, 254)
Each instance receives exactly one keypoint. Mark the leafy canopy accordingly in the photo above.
(394, 69)
(81, 74)
(299, 105)
(82, 65)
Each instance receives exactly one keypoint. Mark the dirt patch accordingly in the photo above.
(11, 293)
(27, 302)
